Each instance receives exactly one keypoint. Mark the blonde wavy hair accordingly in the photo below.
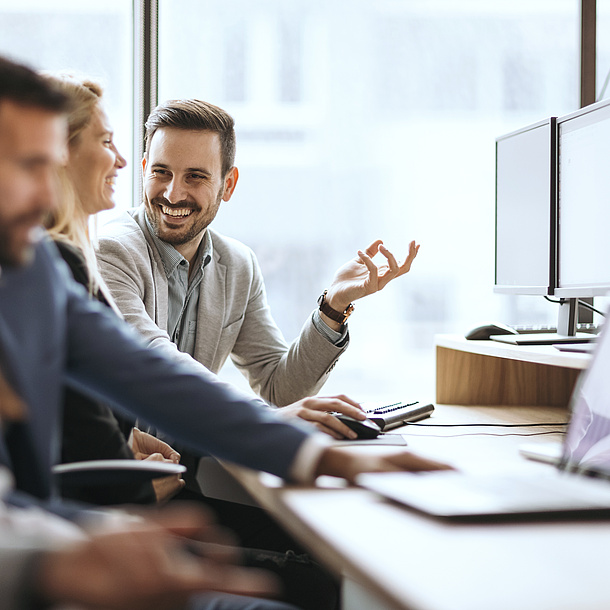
(69, 222)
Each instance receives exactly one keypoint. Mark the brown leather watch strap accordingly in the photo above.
(333, 314)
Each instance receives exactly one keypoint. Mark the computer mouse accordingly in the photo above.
(364, 429)
(482, 333)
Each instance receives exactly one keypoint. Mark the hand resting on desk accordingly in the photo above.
(348, 463)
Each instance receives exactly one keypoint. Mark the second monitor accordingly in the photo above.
(583, 202)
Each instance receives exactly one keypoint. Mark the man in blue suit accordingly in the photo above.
(46, 560)
(114, 560)
(52, 334)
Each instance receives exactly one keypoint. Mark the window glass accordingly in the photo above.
(90, 38)
(367, 119)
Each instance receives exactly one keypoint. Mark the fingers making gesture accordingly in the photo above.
(362, 276)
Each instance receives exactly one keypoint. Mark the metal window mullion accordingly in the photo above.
(146, 33)
(588, 18)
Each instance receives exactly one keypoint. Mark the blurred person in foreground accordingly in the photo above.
(75, 555)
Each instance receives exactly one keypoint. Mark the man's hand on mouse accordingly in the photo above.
(318, 411)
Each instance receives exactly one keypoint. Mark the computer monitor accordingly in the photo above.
(526, 225)
(525, 210)
(583, 202)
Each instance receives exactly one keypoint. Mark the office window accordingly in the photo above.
(362, 119)
(91, 38)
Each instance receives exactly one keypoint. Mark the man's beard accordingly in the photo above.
(178, 237)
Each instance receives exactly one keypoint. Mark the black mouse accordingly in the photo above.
(482, 333)
(364, 429)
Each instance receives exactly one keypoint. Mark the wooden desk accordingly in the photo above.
(492, 373)
(403, 560)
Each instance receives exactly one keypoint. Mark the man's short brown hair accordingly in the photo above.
(195, 115)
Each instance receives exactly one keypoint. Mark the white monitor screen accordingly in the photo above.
(524, 208)
(583, 195)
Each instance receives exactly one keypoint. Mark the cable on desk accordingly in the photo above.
(483, 434)
(487, 425)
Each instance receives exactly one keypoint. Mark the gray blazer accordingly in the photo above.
(234, 318)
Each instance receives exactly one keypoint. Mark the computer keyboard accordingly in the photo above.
(396, 414)
(542, 328)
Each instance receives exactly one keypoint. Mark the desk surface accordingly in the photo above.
(424, 564)
(538, 354)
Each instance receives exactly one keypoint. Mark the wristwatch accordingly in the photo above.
(333, 314)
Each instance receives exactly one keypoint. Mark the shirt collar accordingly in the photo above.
(171, 258)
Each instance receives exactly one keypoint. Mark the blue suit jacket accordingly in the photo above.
(52, 334)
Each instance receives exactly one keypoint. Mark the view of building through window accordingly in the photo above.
(362, 120)
(356, 120)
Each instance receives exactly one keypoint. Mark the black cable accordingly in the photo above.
(591, 308)
(605, 85)
(480, 434)
(487, 425)
(580, 304)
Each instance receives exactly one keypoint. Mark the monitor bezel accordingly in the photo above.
(549, 288)
(573, 291)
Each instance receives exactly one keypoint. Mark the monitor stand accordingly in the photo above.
(566, 329)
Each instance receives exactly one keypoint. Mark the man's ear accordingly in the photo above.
(230, 183)
(144, 164)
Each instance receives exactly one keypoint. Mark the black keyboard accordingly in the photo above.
(544, 329)
(396, 414)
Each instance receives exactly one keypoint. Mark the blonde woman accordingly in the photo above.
(91, 431)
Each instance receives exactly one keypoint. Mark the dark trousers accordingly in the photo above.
(305, 583)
